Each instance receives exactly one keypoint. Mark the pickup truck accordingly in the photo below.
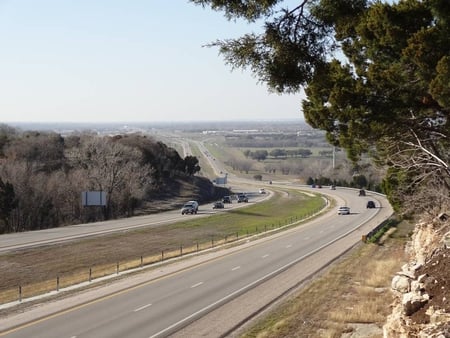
(190, 207)
(242, 198)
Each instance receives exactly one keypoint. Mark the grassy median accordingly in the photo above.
(47, 268)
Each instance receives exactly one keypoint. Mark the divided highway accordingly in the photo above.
(162, 305)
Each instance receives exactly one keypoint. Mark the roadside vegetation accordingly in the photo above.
(354, 293)
(319, 166)
(43, 176)
(42, 269)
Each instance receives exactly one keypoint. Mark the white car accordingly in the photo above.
(344, 211)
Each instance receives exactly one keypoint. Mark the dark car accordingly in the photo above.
(226, 199)
(370, 205)
(218, 205)
(242, 198)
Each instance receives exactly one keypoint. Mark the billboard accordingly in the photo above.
(221, 180)
(93, 198)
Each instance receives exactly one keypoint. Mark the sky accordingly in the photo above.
(125, 61)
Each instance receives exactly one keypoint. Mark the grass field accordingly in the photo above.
(353, 291)
(42, 269)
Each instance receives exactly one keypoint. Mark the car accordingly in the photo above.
(333, 187)
(218, 205)
(370, 205)
(343, 211)
(190, 207)
(262, 191)
(226, 199)
(242, 198)
(362, 192)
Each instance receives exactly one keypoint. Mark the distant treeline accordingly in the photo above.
(276, 140)
(42, 175)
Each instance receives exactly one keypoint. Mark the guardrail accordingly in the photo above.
(22, 293)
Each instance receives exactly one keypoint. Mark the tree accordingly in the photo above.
(111, 167)
(7, 204)
(259, 155)
(304, 152)
(41, 151)
(191, 165)
(375, 74)
(278, 153)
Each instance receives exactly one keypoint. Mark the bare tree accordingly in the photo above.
(422, 172)
(111, 167)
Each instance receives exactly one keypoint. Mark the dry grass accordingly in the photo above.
(354, 290)
(39, 270)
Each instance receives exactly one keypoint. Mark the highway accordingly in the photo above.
(161, 306)
(183, 298)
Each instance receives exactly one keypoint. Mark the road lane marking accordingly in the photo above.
(247, 287)
(235, 268)
(195, 285)
(265, 256)
(288, 246)
(142, 307)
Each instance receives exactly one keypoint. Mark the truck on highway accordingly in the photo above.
(190, 207)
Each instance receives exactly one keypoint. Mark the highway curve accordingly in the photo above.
(207, 295)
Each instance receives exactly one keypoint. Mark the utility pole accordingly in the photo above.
(334, 157)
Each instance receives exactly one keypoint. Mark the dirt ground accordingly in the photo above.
(437, 285)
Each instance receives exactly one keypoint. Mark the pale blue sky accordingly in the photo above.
(124, 61)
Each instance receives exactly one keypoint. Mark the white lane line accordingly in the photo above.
(142, 307)
(195, 285)
(235, 268)
(288, 246)
(265, 256)
(247, 287)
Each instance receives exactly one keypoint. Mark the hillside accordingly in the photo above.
(421, 305)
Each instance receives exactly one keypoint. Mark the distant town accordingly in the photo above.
(298, 126)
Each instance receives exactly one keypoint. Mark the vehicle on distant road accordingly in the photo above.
(344, 211)
(242, 198)
(218, 205)
(226, 199)
(262, 191)
(362, 192)
(190, 207)
(370, 205)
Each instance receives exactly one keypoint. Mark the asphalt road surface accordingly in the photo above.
(175, 302)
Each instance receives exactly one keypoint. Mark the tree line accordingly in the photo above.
(276, 140)
(376, 78)
(261, 155)
(43, 174)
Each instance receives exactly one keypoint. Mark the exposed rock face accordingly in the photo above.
(421, 290)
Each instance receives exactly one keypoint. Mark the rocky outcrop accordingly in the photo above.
(421, 306)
